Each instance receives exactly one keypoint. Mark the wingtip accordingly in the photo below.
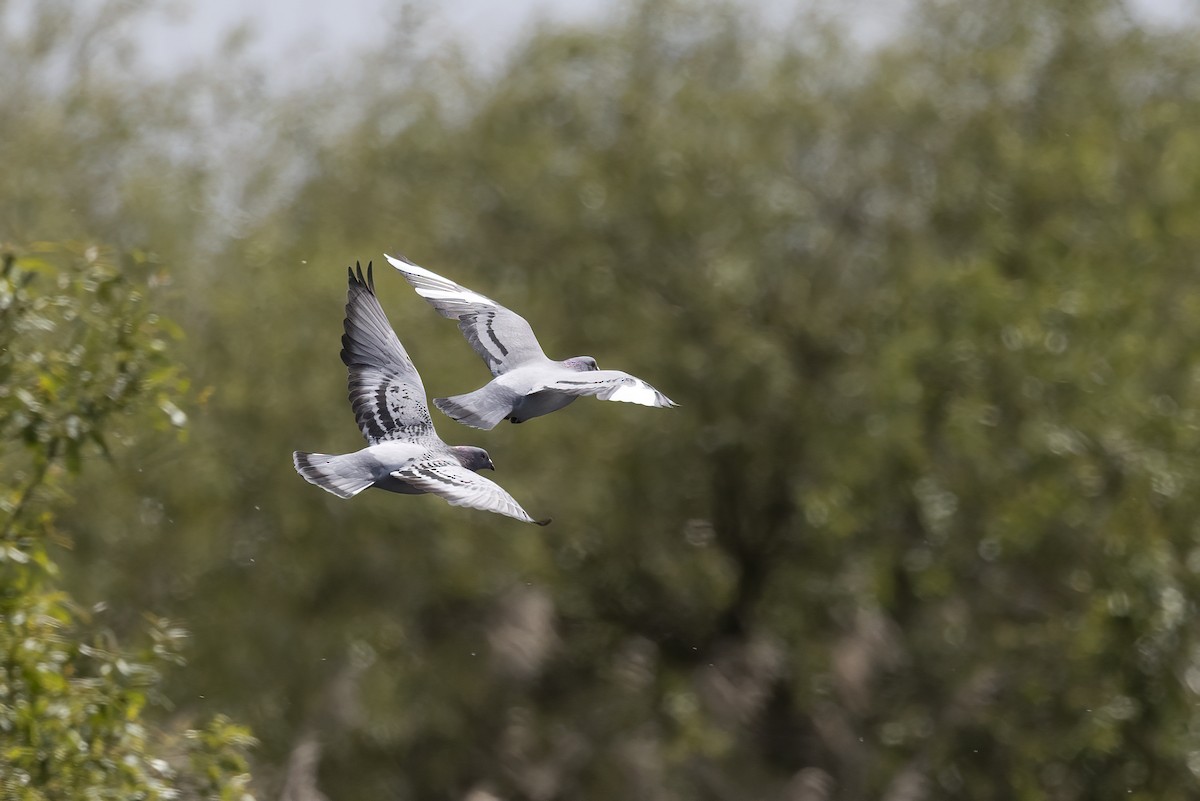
(408, 268)
(397, 260)
(358, 278)
(545, 522)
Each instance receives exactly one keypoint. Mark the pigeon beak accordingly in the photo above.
(491, 466)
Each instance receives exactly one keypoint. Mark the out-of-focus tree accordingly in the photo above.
(923, 524)
(84, 366)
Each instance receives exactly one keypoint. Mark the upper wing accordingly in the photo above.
(461, 487)
(386, 392)
(607, 385)
(502, 338)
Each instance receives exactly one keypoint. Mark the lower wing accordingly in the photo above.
(461, 487)
(609, 385)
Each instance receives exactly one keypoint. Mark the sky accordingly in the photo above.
(308, 35)
(299, 39)
(316, 32)
(305, 36)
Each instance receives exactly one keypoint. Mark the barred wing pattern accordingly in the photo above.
(502, 338)
(386, 392)
(461, 487)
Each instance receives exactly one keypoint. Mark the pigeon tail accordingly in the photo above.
(345, 476)
(484, 408)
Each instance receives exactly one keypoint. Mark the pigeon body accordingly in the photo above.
(404, 454)
(526, 383)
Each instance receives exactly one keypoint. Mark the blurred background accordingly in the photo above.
(924, 279)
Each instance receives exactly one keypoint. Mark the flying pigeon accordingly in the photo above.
(525, 383)
(404, 454)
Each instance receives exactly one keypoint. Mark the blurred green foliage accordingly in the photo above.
(924, 525)
(81, 358)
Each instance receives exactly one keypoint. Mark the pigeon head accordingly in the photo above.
(473, 458)
(581, 364)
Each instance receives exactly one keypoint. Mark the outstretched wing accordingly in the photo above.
(386, 392)
(502, 338)
(461, 487)
(611, 385)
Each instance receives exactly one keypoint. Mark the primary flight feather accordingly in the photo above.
(526, 383)
(404, 454)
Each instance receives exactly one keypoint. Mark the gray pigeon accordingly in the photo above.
(404, 454)
(526, 383)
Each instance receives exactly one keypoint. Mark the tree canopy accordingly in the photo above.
(82, 361)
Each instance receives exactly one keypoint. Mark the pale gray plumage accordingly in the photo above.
(526, 383)
(404, 454)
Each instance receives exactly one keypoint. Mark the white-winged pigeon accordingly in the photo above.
(526, 383)
(404, 453)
